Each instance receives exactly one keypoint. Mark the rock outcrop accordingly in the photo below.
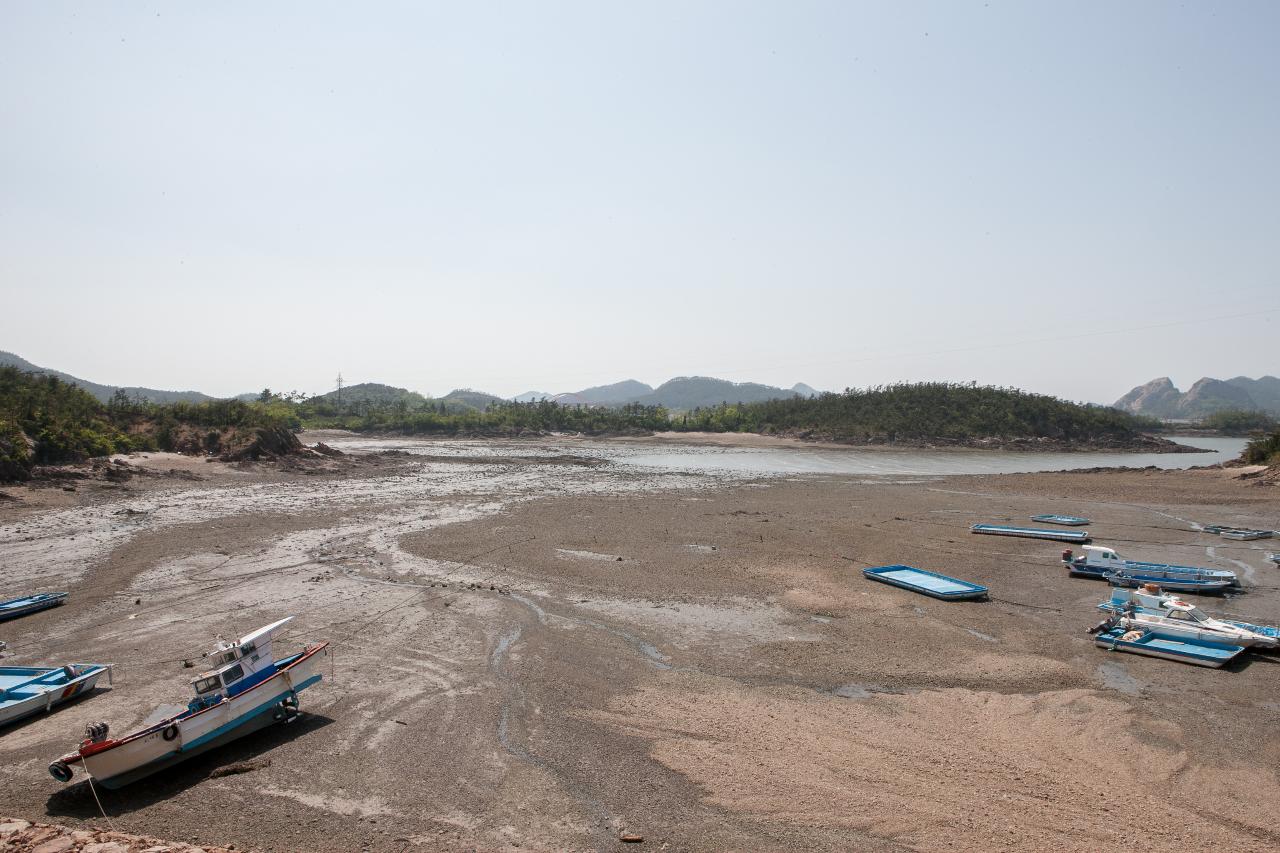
(1160, 399)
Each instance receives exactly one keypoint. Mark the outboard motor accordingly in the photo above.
(1066, 556)
(96, 732)
(1105, 625)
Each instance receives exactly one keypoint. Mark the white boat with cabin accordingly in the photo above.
(1166, 615)
(248, 689)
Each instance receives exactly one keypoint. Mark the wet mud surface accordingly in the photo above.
(535, 648)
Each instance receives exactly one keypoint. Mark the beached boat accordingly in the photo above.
(1215, 529)
(15, 607)
(926, 582)
(1275, 558)
(1101, 562)
(247, 690)
(1169, 615)
(1032, 532)
(27, 690)
(1142, 642)
(1065, 520)
(1242, 534)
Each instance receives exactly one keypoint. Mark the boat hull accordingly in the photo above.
(1213, 655)
(15, 607)
(1031, 532)
(45, 697)
(168, 742)
(1064, 520)
(1187, 633)
(925, 582)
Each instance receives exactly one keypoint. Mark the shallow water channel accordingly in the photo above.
(815, 460)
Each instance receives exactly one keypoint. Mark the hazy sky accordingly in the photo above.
(537, 195)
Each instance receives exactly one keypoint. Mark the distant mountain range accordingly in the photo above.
(104, 392)
(683, 392)
(1159, 398)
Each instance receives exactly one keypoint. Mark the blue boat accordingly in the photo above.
(1245, 533)
(1032, 532)
(1065, 520)
(926, 582)
(27, 690)
(1101, 562)
(1200, 653)
(15, 607)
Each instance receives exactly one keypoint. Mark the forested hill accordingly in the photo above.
(935, 413)
(104, 392)
(46, 421)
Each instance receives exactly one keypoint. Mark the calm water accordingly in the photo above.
(806, 460)
(920, 462)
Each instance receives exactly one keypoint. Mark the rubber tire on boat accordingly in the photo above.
(60, 771)
(170, 733)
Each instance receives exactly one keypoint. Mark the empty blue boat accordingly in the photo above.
(15, 607)
(1146, 643)
(27, 690)
(1032, 532)
(926, 582)
(1065, 520)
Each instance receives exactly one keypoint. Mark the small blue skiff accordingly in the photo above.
(1064, 520)
(1201, 653)
(27, 690)
(15, 607)
(1032, 532)
(926, 582)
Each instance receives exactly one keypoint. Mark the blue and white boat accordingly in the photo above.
(1244, 533)
(1170, 616)
(1101, 562)
(1065, 520)
(27, 690)
(1142, 642)
(247, 690)
(1032, 532)
(926, 582)
(15, 607)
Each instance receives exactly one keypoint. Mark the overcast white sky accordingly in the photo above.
(517, 196)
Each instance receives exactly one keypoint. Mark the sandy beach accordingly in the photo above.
(536, 648)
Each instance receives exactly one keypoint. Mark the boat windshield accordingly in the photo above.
(204, 685)
(1197, 614)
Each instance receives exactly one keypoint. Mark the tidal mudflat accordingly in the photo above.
(544, 645)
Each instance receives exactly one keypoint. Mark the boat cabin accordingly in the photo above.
(1100, 555)
(238, 665)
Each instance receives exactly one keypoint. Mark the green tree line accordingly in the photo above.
(921, 411)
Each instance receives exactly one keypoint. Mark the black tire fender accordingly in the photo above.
(170, 732)
(60, 771)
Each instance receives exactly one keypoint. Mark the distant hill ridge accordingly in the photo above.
(682, 393)
(1161, 399)
(105, 392)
